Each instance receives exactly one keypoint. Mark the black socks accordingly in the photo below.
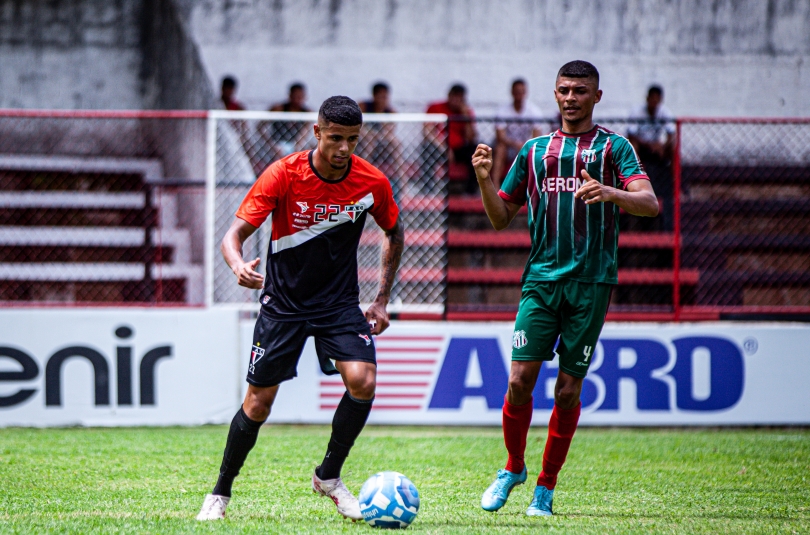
(350, 418)
(241, 439)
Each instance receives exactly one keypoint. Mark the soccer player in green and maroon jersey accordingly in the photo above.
(574, 180)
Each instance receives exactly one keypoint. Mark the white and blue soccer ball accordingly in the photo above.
(389, 500)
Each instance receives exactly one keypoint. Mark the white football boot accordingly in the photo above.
(213, 507)
(347, 504)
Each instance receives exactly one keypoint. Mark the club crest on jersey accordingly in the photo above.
(519, 339)
(354, 210)
(256, 354)
(365, 338)
(588, 156)
(303, 206)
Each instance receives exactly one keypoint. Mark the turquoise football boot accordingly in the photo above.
(495, 496)
(541, 503)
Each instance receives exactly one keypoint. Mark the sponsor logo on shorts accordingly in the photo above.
(365, 337)
(256, 354)
(519, 339)
(588, 156)
(587, 351)
(265, 299)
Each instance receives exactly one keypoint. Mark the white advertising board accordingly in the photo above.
(641, 374)
(105, 367)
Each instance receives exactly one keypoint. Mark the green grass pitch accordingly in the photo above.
(152, 480)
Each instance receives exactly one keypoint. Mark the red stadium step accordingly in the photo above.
(413, 238)
(469, 204)
(513, 239)
(513, 275)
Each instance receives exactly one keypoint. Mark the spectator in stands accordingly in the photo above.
(652, 133)
(379, 103)
(517, 122)
(296, 99)
(288, 136)
(228, 94)
(461, 134)
(379, 143)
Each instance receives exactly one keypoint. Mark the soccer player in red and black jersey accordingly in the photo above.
(318, 201)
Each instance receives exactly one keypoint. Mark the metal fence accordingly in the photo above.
(743, 218)
(731, 239)
(101, 207)
(119, 208)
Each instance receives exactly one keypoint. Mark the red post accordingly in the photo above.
(676, 205)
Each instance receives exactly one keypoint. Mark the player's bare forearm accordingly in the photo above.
(499, 211)
(639, 198)
(393, 244)
(641, 202)
(231, 248)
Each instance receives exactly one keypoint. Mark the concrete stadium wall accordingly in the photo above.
(719, 58)
(96, 54)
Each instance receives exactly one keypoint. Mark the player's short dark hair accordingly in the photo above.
(228, 82)
(579, 69)
(458, 89)
(517, 81)
(297, 86)
(379, 86)
(340, 110)
(655, 90)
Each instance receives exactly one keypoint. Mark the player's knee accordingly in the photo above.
(567, 397)
(520, 389)
(363, 388)
(256, 411)
(257, 404)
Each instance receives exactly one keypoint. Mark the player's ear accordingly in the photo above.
(598, 96)
(316, 129)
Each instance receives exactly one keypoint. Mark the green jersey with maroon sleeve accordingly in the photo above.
(570, 239)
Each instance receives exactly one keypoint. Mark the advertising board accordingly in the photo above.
(110, 367)
(640, 374)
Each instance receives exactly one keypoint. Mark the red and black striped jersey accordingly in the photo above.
(316, 228)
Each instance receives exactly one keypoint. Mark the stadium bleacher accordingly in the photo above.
(91, 230)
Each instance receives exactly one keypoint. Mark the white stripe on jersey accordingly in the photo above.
(303, 236)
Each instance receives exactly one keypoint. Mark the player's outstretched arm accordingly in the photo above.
(499, 211)
(638, 199)
(392, 246)
(231, 248)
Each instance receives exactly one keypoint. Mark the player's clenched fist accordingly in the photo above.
(593, 191)
(482, 161)
(247, 275)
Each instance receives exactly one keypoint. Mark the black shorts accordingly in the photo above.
(277, 345)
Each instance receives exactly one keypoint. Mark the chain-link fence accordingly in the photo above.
(744, 217)
(102, 207)
(732, 196)
(112, 208)
(408, 148)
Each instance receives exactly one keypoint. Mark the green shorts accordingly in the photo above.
(569, 310)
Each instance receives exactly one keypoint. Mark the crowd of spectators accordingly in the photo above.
(650, 128)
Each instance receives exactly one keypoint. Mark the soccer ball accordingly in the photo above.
(389, 500)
